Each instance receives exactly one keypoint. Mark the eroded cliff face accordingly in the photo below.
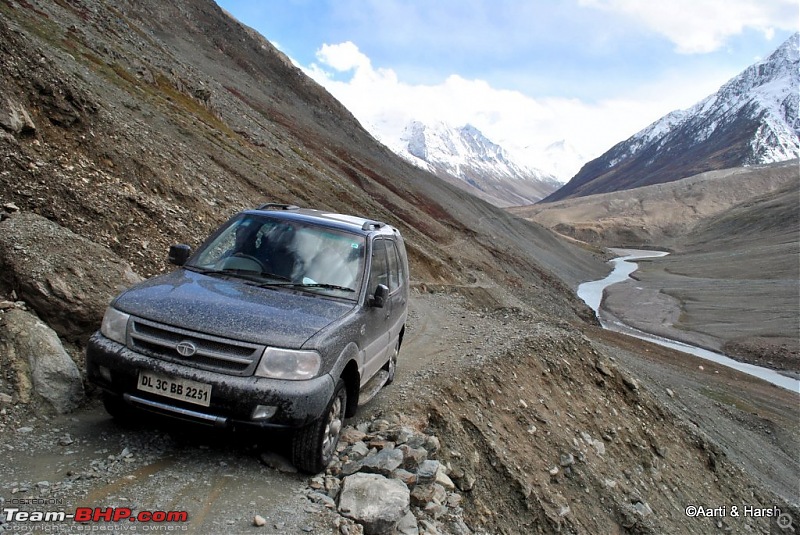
(560, 439)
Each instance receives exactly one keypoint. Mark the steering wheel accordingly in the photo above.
(245, 262)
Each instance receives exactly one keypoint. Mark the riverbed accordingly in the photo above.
(624, 266)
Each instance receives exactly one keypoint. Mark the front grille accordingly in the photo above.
(211, 352)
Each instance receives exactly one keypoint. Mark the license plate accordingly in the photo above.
(182, 389)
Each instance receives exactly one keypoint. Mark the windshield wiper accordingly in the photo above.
(310, 285)
(275, 276)
(205, 271)
(247, 274)
(258, 278)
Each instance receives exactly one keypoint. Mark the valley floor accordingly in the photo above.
(685, 298)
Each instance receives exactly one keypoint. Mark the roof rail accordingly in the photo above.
(278, 206)
(369, 225)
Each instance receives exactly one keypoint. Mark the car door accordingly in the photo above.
(376, 320)
(398, 295)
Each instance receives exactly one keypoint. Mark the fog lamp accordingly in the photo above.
(104, 372)
(263, 412)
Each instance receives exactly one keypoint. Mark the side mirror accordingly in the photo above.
(179, 254)
(379, 299)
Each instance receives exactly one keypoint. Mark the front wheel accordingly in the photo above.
(118, 409)
(313, 446)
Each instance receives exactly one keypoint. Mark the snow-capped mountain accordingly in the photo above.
(465, 157)
(561, 159)
(751, 120)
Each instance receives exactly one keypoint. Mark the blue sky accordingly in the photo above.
(528, 73)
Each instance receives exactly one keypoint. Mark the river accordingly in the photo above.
(592, 295)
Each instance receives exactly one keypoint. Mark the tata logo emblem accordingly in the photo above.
(186, 348)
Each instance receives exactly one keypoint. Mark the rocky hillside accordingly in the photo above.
(751, 120)
(141, 124)
(131, 125)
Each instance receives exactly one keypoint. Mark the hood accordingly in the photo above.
(231, 309)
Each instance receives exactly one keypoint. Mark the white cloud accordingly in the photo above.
(343, 57)
(523, 125)
(603, 62)
(701, 26)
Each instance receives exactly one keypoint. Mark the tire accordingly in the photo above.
(314, 445)
(391, 365)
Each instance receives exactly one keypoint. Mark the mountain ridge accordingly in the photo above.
(750, 120)
(466, 158)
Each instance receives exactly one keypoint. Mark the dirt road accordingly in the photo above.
(221, 479)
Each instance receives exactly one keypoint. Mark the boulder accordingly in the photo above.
(426, 472)
(40, 363)
(384, 462)
(67, 279)
(375, 502)
(15, 119)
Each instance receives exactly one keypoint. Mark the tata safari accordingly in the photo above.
(283, 318)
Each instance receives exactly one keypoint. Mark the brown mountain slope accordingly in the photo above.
(137, 124)
(735, 279)
(658, 215)
(151, 122)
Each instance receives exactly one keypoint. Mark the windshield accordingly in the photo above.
(294, 254)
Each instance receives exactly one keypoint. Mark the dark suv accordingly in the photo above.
(283, 318)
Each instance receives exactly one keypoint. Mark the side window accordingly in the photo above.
(379, 274)
(401, 274)
(394, 266)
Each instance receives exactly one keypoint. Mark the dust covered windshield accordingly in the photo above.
(284, 253)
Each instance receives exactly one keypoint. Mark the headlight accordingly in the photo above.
(288, 364)
(115, 325)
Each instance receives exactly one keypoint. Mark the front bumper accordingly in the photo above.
(115, 368)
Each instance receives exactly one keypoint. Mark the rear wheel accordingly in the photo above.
(391, 366)
(313, 446)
